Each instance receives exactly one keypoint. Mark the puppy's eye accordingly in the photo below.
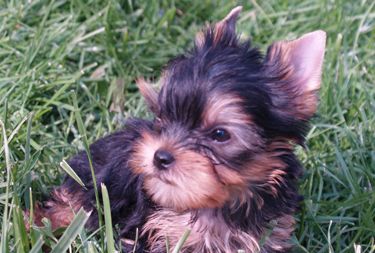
(220, 135)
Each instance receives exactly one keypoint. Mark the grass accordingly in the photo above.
(97, 48)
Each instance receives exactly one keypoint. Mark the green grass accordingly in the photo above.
(97, 48)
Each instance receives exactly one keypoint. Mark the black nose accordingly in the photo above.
(163, 159)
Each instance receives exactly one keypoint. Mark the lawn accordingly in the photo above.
(97, 48)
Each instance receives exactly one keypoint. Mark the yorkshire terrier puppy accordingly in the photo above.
(218, 156)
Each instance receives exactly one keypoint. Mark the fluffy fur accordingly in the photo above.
(218, 157)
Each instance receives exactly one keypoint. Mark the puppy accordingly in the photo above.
(218, 156)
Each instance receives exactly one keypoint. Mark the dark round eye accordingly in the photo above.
(220, 135)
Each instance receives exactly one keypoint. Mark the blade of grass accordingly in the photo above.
(86, 241)
(62, 89)
(108, 220)
(268, 232)
(31, 212)
(166, 242)
(181, 241)
(24, 243)
(82, 132)
(136, 241)
(71, 232)
(37, 247)
(330, 249)
(4, 235)
(72, 173)
(27, 158)
(15, 131)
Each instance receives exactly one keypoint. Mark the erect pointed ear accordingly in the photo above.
(299, 63)
(148, 93)
(225, 26)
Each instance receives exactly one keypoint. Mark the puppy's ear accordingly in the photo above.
(148, 93)
(227, 26)
(298, 67)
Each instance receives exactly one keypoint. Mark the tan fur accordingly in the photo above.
(210, 233)
(57, 211)
(221, 109)
(265, 167)
(190, 183)
(281, 233)
(289, 53)
(199, 38)
(148, 93)
(229, 177)
(303, 68)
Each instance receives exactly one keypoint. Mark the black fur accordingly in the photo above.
(110, 155)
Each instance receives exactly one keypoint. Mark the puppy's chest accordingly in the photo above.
(209, 233)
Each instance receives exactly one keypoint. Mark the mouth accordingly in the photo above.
(162, 177)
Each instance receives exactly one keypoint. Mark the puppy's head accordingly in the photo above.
(225, 115)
